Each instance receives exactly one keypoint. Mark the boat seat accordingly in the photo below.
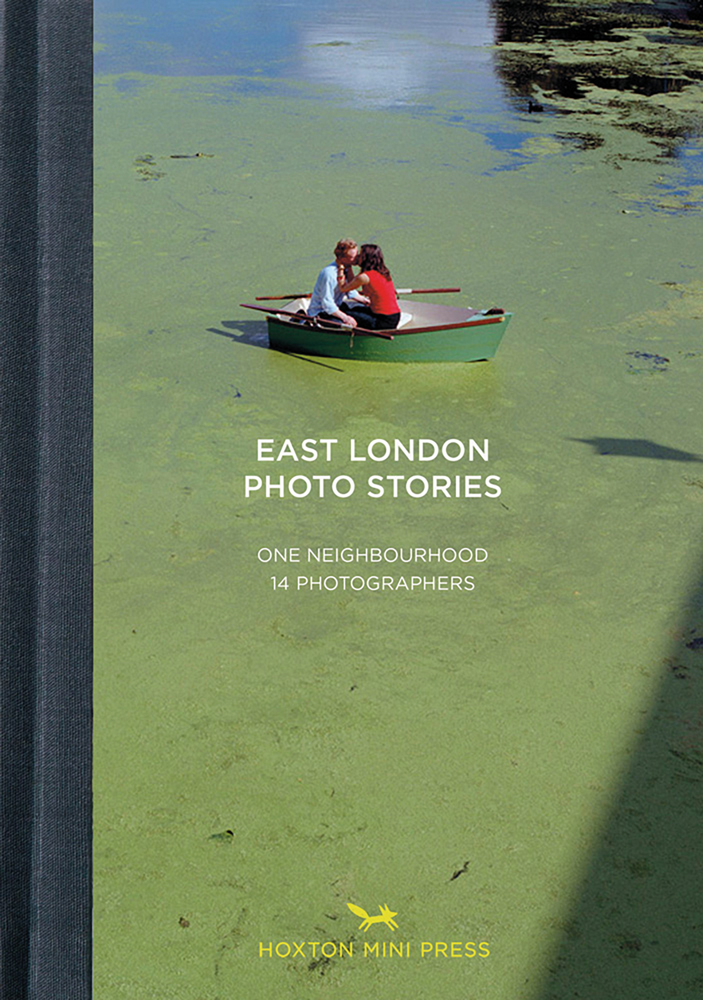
(405, 318)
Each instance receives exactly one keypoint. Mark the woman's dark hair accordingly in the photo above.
(372, 260)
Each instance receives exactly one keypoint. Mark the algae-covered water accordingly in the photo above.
(518, 764)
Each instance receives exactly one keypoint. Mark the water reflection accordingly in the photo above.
(395, 53)
(401, 54)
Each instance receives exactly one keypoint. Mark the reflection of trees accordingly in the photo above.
(662, 68)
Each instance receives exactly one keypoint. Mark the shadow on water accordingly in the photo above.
(253, 333)
(635, 929)
(638, 448)
(635, 932)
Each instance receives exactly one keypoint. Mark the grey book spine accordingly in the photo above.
(45, 498)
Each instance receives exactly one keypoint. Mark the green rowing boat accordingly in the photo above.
(427, 332)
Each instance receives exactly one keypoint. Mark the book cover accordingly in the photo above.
(398, 665)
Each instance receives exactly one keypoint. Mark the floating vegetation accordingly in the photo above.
(679, 670)
(581, 140)
(692, 759)
(629, 945)
(146, 168)
(322, 964)
(460, 871)
(649, 363)
(224, 837)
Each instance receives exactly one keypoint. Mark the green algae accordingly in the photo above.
(363, 747)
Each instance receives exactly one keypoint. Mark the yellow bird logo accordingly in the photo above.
(384, 917)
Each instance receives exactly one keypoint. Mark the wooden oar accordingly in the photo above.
(274, 298)
(342, 327)
(399, 291)
(424, 291)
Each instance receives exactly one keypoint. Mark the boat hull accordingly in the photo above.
(467, 338)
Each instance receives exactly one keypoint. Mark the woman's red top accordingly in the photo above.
(381, 292)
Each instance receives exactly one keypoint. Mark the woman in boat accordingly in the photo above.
(375, 281)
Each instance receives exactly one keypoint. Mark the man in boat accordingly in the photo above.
(327, 301)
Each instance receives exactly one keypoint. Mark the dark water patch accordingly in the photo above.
(528, 21)
(689, 37)
(523, 72)
(645, 84)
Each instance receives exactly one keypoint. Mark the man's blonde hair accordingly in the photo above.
(343, 246)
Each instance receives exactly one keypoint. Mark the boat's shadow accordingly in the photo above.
(255, 334)
(247, 331)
